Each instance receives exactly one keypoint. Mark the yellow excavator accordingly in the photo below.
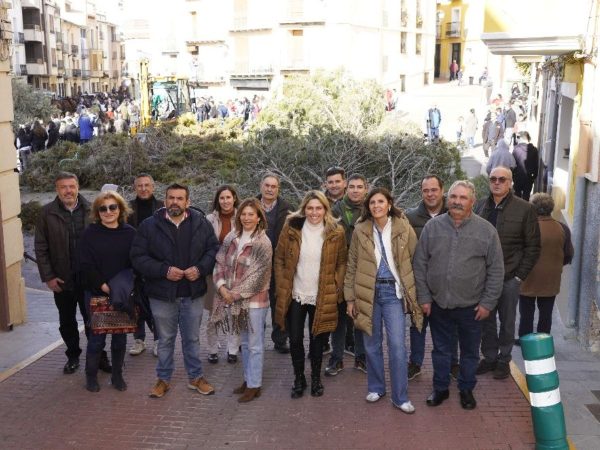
(162, 98)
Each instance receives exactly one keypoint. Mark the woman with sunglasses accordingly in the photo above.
(310, 261)
(242, 276)
(380, 289)
(222, 219)
(104, 247)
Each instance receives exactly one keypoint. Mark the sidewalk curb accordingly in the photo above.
(521, 383)
(26, 362)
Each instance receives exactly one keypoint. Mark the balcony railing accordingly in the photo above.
(19, 38)
(59, 37)
(34, 60)
(76, 72)
(85, 74)
(32, 26)
(453, 29)
(242, 23)
(68, 73)
(74, 49)
(23, 69)
(245, 69)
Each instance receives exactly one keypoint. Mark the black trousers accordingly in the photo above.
(296, 318)
(523, 189)
(527, 312)
(278, 336)
(66, 302)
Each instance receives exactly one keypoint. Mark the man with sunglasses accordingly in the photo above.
(519, 233)
(57, 233)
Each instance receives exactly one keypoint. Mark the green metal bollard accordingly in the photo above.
(542, 381)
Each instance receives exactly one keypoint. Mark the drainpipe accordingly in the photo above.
(5, 324)
(577, 236)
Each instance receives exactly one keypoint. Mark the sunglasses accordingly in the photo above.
(106, 208)
(498, 179)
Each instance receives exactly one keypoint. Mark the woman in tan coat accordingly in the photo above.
(310, 261)
(543, 282)
(380, 289)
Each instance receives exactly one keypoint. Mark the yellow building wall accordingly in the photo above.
(574, 74)
(446, 42)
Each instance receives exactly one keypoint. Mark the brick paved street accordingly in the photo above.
(42, 408)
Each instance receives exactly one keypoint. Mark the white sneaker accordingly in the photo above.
(155, 349)
(373, 397)
(137, 348)
(407, 407)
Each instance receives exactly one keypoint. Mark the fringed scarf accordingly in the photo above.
(245, 276)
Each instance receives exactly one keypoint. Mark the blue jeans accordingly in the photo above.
(338, 338)
(388, 310)
(253, 347)
(417, 344)
(185, 313)
(444, 323)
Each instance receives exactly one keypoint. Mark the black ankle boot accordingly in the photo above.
(316, 387)
(92, 361)
(118, 357)
(299, 386)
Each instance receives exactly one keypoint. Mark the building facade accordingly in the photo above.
(236, 47)
(66, 47)
(561, 48)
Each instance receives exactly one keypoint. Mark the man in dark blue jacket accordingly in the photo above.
(175, 250)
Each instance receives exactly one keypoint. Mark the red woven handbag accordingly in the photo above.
(106, 320)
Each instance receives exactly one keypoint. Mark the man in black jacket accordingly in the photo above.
(174, 250)
(526, 157)
(276, 210)
(56, 249)
(144, 205)
(517, 226)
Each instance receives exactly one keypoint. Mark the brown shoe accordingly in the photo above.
(241, 389)
(160, 389)
(249, 395)
(202, 386)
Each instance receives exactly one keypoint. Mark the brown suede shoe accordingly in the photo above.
(160, 389)
(249, 395)
(241, 389)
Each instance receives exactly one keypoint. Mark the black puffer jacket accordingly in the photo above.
(518, 230)
(154, 251)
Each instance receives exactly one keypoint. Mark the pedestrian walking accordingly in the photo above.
(527, 164)
(175, 250)
(458, 271)
(105, 264)
(379, 288)
(242, 277)
(434, 119)
(501, 156)
(453, 70)
(310, 262)
(543, 282)
(470, 128)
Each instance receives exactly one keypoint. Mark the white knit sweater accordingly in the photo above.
(306, 278)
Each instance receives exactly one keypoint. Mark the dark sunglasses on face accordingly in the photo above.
(106, 208)
(498, 179)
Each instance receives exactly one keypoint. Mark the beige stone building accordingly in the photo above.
(66, 46)
(12, 287)
(234, 47)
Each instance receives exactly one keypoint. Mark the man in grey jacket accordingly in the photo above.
(458, 271)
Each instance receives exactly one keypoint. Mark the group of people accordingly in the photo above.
(206, 108)
(347, 259)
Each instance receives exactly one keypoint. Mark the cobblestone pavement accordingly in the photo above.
(42, 408)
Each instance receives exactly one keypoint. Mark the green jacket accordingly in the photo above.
(348, 213)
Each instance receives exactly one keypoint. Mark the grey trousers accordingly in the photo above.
(497, 344)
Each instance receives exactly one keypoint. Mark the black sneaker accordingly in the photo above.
(455, 371)
(231, 359)
(485, 367)
(414, 370)
(333, 369)
(213, 358)
(282, 348)
(501, 371)
(360, 364)
(71, 366)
